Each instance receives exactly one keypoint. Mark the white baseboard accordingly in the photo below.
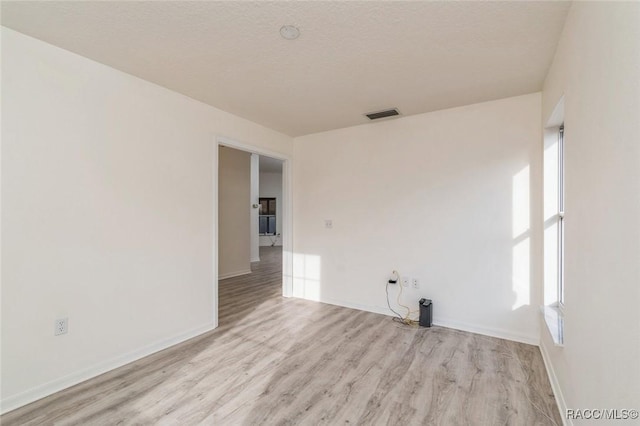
(269, 243)
(367, 308)
(255, 259)
(555, 385)
(441, 322)
(16, 401)
(234, 274)
(488, 331)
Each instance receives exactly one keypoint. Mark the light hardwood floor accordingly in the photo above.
(288, 361)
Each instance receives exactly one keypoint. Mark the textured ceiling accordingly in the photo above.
(351, 57)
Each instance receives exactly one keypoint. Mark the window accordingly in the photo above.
(561, 216)
(267, 216)
(554, 224)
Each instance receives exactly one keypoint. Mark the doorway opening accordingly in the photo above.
(251, 229)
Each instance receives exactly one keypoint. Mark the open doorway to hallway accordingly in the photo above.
(270, 202)
(250, 231)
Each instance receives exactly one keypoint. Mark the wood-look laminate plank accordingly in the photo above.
(289, 361)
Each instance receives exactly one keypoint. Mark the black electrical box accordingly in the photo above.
(426, 312)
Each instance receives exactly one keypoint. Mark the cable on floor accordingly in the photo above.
(406, 320)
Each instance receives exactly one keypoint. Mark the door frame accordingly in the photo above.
(287, 214)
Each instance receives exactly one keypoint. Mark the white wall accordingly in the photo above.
(597, 69)
(271, 187)
(234, 212)
(107, 215)
(445, 197)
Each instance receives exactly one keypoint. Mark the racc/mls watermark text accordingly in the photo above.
(601, 414)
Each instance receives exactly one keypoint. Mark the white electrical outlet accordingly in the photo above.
(328, 223)
(405, 281)
(61, 326)
(415, 283)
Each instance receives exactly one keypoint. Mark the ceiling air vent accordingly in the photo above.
(382, 114)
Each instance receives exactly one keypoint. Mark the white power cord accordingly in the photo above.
(406, 319)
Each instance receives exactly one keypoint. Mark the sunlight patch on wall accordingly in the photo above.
(306, 276)
(521, 281)
(520, 202)
(520, 276)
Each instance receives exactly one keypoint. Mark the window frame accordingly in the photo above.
(561, 217)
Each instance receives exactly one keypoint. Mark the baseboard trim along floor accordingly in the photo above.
(57, 385)
(276, 360)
